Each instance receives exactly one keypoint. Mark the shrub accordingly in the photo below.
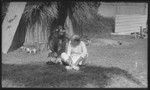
(88, 22)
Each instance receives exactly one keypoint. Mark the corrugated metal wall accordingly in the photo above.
(125, 24)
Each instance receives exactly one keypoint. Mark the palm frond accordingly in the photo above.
(39, 12)
(85, 10)
(88, 21)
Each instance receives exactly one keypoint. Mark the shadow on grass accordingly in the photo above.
(57, 76)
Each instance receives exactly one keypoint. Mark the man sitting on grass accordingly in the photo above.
(57, 44)
(76, 53)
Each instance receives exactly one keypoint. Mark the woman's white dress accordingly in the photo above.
(75, 52)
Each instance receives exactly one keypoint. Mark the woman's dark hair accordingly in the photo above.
(78, 40)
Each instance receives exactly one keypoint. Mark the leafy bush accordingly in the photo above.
(88, 22)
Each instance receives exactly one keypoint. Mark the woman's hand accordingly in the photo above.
(70, 61)
(80, 59)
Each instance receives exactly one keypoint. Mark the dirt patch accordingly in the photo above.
(21, 57)
(121, 82)
(91, 85)
(11, 84)
(105, 42)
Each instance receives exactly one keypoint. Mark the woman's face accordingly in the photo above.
(75, 42)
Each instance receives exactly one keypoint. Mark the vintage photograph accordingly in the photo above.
(74, 44)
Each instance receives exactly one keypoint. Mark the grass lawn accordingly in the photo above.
(108, 66)
(57, 76)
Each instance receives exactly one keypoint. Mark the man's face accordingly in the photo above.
(61, 33)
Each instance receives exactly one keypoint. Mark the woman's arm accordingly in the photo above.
(83, 55)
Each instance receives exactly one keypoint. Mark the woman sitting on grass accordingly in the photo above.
(76, 53)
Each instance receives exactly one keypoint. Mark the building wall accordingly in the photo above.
(126, 24)
(113, 9)
(128, 16)
(130, 10)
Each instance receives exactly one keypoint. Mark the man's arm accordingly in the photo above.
(69, 49)
(84, 50)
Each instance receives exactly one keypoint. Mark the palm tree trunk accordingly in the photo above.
(69, 26)
(10, 23)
